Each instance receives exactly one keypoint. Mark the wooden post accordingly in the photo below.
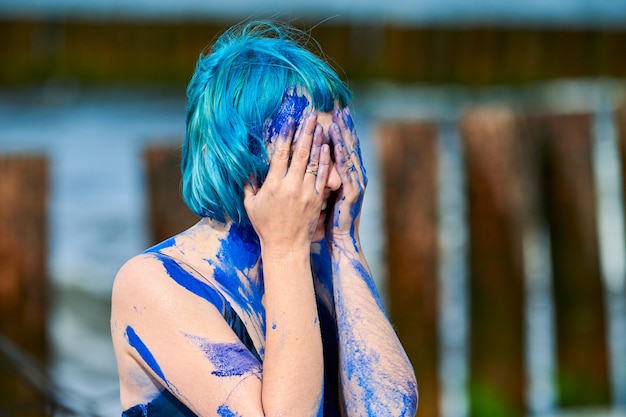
(167, 212)
(23, 271)
(409, 166)
(570, 207)
(620, 121)
(497, 379)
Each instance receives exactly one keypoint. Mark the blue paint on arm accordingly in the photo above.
(228, 359)
(224, 411)
(369, 281)
(135, 341)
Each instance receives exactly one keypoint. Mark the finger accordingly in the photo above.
(302, 152)
(314, 160)
(248, 193)
(349, 122)
(340, 119)
(323, 171)
(341, 154)
(279, 163)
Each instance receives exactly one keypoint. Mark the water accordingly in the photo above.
(94, 139)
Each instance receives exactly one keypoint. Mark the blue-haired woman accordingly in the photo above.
(266, 307)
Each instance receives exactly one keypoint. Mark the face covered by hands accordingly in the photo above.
(343, 189)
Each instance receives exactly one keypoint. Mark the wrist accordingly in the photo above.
(345, 242)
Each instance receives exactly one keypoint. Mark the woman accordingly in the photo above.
(266, 306)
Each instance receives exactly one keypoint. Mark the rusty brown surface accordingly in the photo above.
(409, 154)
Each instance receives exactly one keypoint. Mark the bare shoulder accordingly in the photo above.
(141, 274)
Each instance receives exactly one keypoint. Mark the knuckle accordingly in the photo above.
(281, 153)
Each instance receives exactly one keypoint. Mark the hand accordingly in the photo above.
(346, 212)
(285, 210)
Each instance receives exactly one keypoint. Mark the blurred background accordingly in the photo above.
(494, 134)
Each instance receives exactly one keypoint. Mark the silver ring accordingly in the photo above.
(351, 168)
(311, 171)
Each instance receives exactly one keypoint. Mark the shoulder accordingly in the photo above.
(135, 273)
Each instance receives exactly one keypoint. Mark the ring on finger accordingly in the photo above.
(351, 168)
(311, 171)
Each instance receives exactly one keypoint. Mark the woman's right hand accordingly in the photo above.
(285, 210)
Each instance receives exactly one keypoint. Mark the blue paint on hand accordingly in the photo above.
(293, 106)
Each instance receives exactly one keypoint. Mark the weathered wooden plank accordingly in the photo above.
(620, 122)
(409, 170)
(570, 208)
(23, 271)
(497, 379)
(167, 212)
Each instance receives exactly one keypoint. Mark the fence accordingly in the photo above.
(524, 175)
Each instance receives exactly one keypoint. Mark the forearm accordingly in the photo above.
(293, 363)
(375, 372)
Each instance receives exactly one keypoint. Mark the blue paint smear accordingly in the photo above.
(229, 359)
(369, 281)
(224, 411)
(292, 106)
(144, 352)
(190, 283)
(362, 365)
(348, 120)
(168, 243)
(239, 252)
(241, 248)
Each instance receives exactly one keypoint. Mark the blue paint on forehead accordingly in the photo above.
(292, 106)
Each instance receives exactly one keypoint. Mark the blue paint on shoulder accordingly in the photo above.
(135, 341)
(241, 248)
(239, 252)
(292, 106)
(168, 243)
(191, 283)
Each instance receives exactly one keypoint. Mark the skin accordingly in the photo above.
(168, 333)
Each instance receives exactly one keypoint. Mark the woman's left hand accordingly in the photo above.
(344, 221)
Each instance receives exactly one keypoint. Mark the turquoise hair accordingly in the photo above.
(237, 87)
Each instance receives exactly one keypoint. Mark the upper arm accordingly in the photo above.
(182, 341)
